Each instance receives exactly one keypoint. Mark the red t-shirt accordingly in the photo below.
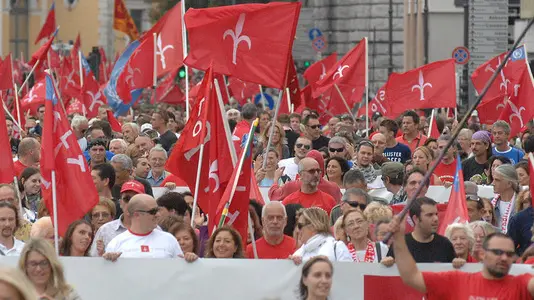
(446, 172)
(268, 251)
(19, 167)
(318, 199)
(466, 286)
(417, 142)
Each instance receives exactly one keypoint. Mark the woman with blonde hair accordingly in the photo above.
(462, 239)
(360, 246)
(524, 199)
(481, 229)
(313, 232)
(42, 267)
(421, 158)
(278, 141)
(374, 212)
(15, 286)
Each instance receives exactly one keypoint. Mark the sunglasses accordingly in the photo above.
(314, 126)
(313, 171)
(499, 252)
(356, 205)
(336, 149)
(307, 147)
(153, 211)
(302, 225)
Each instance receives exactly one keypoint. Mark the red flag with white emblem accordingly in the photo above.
(35, 98)
(241, 90)
(378, 104)
(252, 42)
(429, 86)
(69, 78)
(318, 70)
(49, 25)
(138, 72)
(60, 152)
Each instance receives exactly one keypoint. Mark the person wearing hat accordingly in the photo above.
(481, 147)
(110, 230)
(393, 177)
(475, 206)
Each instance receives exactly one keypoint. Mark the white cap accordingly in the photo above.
(474, 114)
(146, 126)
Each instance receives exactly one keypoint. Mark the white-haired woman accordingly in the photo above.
(463, 240)
(506, 186)
(480, 229)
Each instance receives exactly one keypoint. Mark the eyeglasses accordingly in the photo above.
(499, 252)
(34, 264)
(313, 171)
(153, 211)
(314, 126)
(307, 147)
(336, 149)
(302, 225)
(102, 215)
(472, 197)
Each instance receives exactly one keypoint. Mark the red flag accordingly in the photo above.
(429, 86)
(115, 125)
(294, 90)
(75, 107)
(434, 131)
(60, 152)
(77, 45)
(49, 25)
(168, 91)
(7, 170)
(350, 71)
(40, 55)
(35, 98)
(138, 72)
(318, 70)
(255, 192)
(93, 97)
(241, 90)
(69, 79)
(457, 206)
(331, 102)
(6, 78)
(252, 42)
(102, 67)
(378, 104)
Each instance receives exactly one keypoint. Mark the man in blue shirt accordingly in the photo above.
(394, 150)
(501, 136)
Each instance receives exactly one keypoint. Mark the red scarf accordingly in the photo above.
(369, 253)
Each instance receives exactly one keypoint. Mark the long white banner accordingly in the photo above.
(224, 279)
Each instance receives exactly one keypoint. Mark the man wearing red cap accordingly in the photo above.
(108, 231)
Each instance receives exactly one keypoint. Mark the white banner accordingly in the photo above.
(222, 279)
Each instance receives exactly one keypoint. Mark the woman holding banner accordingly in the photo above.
(225, 242)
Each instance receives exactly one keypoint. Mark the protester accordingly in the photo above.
(432, 144)
(353, 198)
(493, 163)
(364, 158)
(520, 226)
(77, 239)
(295, 124)
(265, 176)
(159, 122)
(42, 267)
(481, 229)
(506, 187)
(144, 143)
(233, 114)
(278, 143)
(475, 206)
(157, 157)
(488, 214)
(316, 279)
(523, 172)
(394, 150)
(249, 112)
(501, 136)
(171, 203)
(30, 191)
(104, 212)
(523, 200)
(481, 148)
(393, 177)
(381, 229)
(313, 131)
(118, 146)
(464, 141)
(264, 118)
(97, 152)
(463, 239)
(303, 145)
(336, 167)
(338, 147)
(360, 246)
(446, 169)
(188, 240)
(44, 229)
(412, 181)
(104, 179)
(143, 240)
(225, 242)
(15, 286)
(29, 155)
(123, 166)
(424, 244)
(379, 141)
(141, 167)
(314, 235)
(411, 136)
(9, 223)
(130, 131)
(8, 194)
(421, 158)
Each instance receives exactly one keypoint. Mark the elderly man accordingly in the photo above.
(123, 166)
(130, 131)
(80, 125)
(142, 240)
(110, 230)
(290, 165)
(233, 114)
(159, 122)
(157, 158)
(464, 139)
(29, 155)
(144, 143)
(9, 222)
(274, 244)
(501, 135)
(309, 194)
(118, 146)
(379, 141)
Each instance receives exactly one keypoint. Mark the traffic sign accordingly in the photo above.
(314, 33)
(461, 55)
(268, 98)
(319, 44)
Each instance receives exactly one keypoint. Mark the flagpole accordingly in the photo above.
(197, 185)
(54, 83)
(10, 115)
(345, 102)
(29, 75)
(184, 48)
(225, 123)
(366, 87)
(273, 125)
(263, 100)
(54, 209)
(456, 132)
(253, 240)
(17, 105)
(239, 168)
(155, 69)
(288, 100)
(80, 67)
(16, 183)
(431, 120)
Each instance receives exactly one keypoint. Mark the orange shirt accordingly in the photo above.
(318, 199)
(19, 167)
(268, 251)
(417, 142)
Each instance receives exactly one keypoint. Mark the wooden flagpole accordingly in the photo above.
(273, 125)
(225, 122)
(431, 120)
(345, 102)
(366, 88)
(28, 76)
(54, 209)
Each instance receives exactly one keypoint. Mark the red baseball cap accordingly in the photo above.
(133, 186)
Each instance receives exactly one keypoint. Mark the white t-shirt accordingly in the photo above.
(157, 244)
(291, 168)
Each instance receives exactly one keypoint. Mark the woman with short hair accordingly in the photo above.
(188, 240)
(105, 211)
(225, 242)
(360, 246)
(462, 239)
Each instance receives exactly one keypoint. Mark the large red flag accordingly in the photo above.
(138, 72)
(113, 122)
(60, 152)
(49, 25)
(252, 42)
(241, 90)
(69, 79)
(7, 170)
(457, 206)
(6, 77)
(377, 104)
(40, 54)
(35, 98)
(429, 86)
(294, 90)
(350, 71)
(318, 70)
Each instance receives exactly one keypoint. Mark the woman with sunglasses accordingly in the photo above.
(336, 167)
(421, 159)
(360, 246)
(314, 234)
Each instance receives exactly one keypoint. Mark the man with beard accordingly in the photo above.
(274, 244)
(424, 244)
(9, 222)
(493, 282)
(309, 194)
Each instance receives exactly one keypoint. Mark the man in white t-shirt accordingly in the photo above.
(143, 240)
(303, 145)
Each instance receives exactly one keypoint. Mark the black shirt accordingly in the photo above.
(321, 142)
(470, 167)
(167, 140)
(438, 250)
(519, 229)
(291, 138)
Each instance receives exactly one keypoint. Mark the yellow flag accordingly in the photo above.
(123, 22)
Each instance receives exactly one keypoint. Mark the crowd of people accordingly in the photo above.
(319, 173)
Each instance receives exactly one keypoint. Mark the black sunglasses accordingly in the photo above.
(336, 149)
(356, 205)
(153, 211)
(307, 147)
(314, 126)
(499, 252)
